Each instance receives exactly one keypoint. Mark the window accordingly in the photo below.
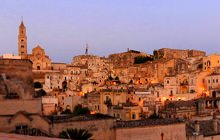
(216, 80)
(133, 116)
(22, 46)
(22, 41)
(208, 63)
(22, 53)
(208, 81)
(168, 81)
(107, 98)
(213, 80)
(118, 115)
(171, 92)
(38, 67)
(21, 127)
(114, 115)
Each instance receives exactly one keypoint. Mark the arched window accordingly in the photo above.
(208, 63)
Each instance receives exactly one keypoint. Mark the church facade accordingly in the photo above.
(39, 59)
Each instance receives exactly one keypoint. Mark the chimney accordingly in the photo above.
(197, 129)
(128, 49)
(215, 123)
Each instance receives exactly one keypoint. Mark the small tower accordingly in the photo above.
(22, 41)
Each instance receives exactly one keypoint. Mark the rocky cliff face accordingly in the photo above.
(16, 79)
(3, 86)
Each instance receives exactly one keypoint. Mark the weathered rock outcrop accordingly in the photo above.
(16, 78)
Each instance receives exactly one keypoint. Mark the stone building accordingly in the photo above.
(49, 105)
(125, 58)
(176, 53)
(39, 59)
(92, 101)
(179, 109)
(112, 95)
(127, 111)
(211, 61)
(203, 130)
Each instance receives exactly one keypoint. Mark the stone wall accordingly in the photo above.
(11, 107)
(170, 132)
(101, 129)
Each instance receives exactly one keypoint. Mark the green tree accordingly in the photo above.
(37, 85)
(75, 134)
(40, 93)
(131, 81)
(79, 110)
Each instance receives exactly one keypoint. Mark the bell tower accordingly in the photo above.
(22, 41)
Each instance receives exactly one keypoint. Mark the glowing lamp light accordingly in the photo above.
(80, 93)
(137, 82)
(151, 81)
(92, 112)
(114, 83)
